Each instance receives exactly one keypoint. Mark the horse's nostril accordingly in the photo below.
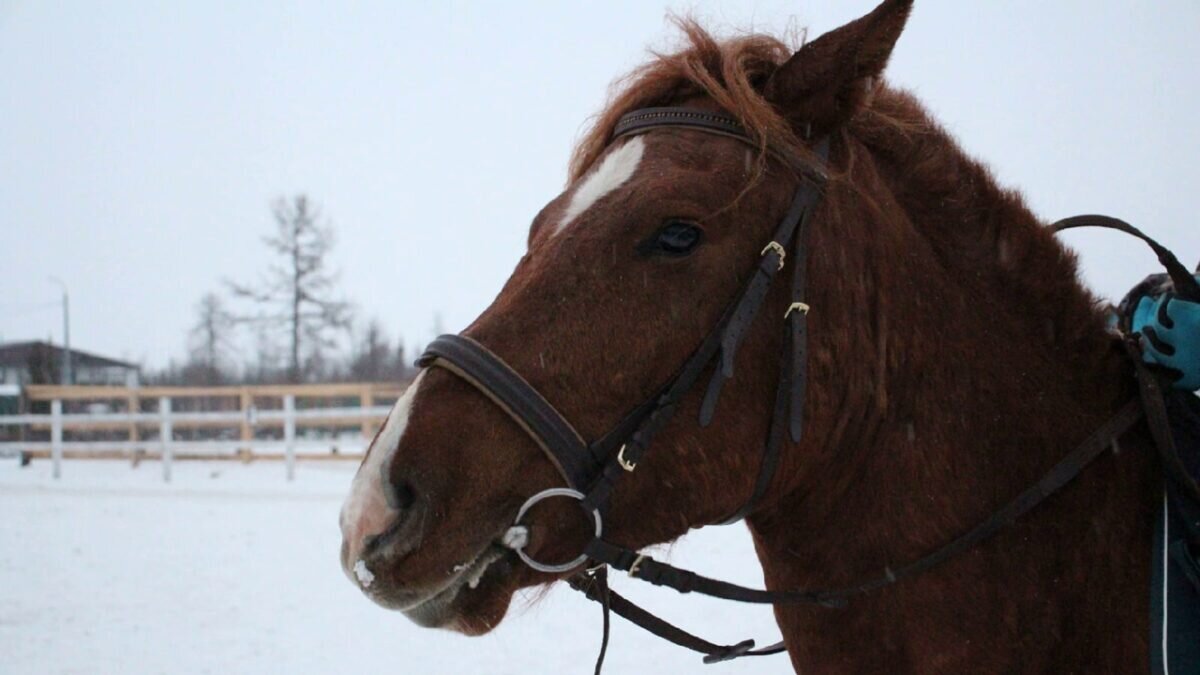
(402, 496)
(403, 532)
(369, 543)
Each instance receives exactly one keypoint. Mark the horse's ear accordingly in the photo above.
(830, 79)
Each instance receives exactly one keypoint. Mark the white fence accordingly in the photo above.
(166, 419)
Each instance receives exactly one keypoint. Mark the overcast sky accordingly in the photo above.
(142, 143)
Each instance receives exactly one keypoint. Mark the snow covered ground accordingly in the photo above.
(231, 569)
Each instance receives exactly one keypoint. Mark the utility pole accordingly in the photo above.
(66, 371)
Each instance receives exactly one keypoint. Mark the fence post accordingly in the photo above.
(134, 408)
(165, 432)
(289, 434)
(56, 436)
(246, 404)
(366, 399)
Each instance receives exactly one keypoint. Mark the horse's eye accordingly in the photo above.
(676, 238)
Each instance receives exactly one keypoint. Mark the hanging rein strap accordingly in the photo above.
(1150, 386)
(1186, 286)
(594, 589)
(662, 574)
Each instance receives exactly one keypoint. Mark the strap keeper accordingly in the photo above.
(730, 653)
(778, 248)
(797, 307)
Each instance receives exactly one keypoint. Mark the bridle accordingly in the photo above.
(592, 470)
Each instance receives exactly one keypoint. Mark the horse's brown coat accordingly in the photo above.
(954, 358)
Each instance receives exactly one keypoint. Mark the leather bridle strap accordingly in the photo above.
(645, 119)
(724, 339)
(788, 410)
(488, 373)
(803, 203)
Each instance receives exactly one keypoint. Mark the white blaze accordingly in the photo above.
(366, 511)
(616, 168)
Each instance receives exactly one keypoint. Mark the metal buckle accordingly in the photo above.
(546, 494)
(798, 307)
(636, 562)
(625, 464)
(778, 248)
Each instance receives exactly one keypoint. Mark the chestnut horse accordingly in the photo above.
(954, 357)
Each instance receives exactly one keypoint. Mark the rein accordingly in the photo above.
(592, 470)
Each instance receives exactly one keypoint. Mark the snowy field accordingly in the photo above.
(231, 569)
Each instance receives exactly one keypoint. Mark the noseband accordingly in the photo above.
(592, 470)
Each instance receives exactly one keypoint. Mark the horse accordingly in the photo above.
(953, 357)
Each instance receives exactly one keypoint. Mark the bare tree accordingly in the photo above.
(297, 293)
(401, 368)
(264, 368)
(371, 359)
(209, 341)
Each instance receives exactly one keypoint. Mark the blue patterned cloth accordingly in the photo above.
(1170, 334)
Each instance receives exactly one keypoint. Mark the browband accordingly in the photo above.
(643, 120)
(720, 124)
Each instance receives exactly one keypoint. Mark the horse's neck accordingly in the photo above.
(998, 377)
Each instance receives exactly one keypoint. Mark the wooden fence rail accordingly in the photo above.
(244, 412)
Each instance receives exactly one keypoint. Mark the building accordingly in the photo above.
(24, 363)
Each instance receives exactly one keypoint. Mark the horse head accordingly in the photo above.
(626, 271)
(917, 263)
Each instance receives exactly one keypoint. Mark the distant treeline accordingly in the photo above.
(301, 328)
(373, 358)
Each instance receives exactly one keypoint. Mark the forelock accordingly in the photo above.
(730, 71)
